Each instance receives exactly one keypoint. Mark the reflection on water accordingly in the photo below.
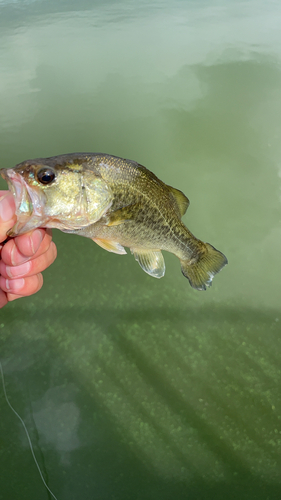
(132, 387)
(57, 420)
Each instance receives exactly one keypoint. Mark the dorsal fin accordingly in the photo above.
(181, 200)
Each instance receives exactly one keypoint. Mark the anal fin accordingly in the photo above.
(110, 246)
(151, 261)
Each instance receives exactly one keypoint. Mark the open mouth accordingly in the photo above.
(18, 188)
(27, 201)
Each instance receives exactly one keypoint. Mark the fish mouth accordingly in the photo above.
(14, 183)
(28, 207)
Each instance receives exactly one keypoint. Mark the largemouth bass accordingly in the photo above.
(115, 202)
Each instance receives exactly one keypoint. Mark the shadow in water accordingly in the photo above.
(172, 357)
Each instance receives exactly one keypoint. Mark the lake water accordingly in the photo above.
(134, 388)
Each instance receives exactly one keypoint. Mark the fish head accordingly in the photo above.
(55, 193)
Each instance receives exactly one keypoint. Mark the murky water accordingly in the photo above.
(130, 387)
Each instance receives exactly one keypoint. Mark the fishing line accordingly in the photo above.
(26, 432)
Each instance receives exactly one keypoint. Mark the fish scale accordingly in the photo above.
(115, 202)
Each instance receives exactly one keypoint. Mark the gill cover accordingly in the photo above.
(75, 198)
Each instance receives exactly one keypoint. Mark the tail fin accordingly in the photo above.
(201, 271)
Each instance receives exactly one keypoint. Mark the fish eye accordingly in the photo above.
(46, 175)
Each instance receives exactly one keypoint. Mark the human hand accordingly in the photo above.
(23, 258)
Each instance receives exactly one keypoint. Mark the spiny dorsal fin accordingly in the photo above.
(181, 200)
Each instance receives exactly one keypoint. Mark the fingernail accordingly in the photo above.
(36, 240)
(14, 249)
(6, 210)
(18, 270)
(15, 285)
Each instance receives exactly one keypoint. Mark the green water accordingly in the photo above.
(134, 388)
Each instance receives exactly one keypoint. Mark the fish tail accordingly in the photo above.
(201, 269)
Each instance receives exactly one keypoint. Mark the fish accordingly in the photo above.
(117, 203)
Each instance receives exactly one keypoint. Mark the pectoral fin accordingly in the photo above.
(110, 246)
(121, 215)
(151, 261)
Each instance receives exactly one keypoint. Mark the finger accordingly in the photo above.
(31, 267)
(28, 244)
(3, 299)
(13, 296)
(7, 213)
(11, 255)
(22, 286)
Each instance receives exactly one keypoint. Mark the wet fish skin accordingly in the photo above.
(118, 203)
